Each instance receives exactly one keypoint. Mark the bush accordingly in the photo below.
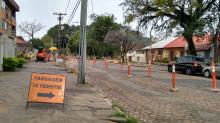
(10, 64)
(165, 60)
(21, 62)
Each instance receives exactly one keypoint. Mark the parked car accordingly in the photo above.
(207, 71)
(188, 64)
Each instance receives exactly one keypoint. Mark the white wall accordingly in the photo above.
(136, 54)
(7, 48)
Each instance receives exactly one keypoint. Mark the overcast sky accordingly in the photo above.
(42, 11)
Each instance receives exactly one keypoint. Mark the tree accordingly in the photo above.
(189, 15)
(101, 25)
(66, 31)
(37, 43)
(215, 32)
(124, 38)
(30, 28)
(47, 41)
(96, 34)
(73, 43)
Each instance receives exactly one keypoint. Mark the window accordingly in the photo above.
(180, 60)
(199, 59)
(3, 25)
(160, 51)
(188, 59)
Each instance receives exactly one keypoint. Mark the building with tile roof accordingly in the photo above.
(8, 9)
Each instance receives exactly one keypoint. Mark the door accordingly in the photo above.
(171, 55)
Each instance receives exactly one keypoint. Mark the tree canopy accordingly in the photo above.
(37, 44)
(101, 25)
(187, 15)
(125, 38)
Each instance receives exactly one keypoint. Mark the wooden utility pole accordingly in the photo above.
(60, 18)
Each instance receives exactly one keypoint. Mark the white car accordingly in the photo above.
(207, 71)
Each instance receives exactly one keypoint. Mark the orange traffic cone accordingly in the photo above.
(173, 88)
(214, 88)
(129, 70)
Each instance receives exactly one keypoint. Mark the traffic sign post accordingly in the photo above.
(46, 88)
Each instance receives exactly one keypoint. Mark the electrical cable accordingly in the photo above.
(73, 12)
(67, 6)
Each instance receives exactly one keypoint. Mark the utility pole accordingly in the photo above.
(60, 18)
(82, 50)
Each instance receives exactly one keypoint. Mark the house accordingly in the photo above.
(170, 48)
(157, 51)
(8, 9)
(21, 45)
(137, 54)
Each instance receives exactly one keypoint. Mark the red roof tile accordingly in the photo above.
(177, 43)
(201, 43)
(19, 41)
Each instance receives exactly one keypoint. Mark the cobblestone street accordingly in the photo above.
(151, 101)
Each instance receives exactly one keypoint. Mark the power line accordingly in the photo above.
(67, 6)
(92, 4)
(73, 12)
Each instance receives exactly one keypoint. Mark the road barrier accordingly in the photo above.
(173, 88)
(129, 70)
(149, 69)
(214, 88)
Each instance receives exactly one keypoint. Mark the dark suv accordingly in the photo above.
(188, 64)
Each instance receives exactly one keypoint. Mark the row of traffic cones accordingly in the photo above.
(173, 83)
(214, 87)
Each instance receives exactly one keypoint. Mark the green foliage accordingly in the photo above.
(118, 114)
(165, 60)
(37, 44)
(131, 120)
(21, 62)
(73, 43)
(168, 15)
(10, 64)
(47, 41)
(66, 31)
(101, 25)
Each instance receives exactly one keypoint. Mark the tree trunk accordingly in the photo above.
(123, 57)
(215, 40)
(191, 47)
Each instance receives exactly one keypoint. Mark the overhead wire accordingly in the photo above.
(73, 12)
(67, 6)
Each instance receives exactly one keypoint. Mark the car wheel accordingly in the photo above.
(170, 68)
(188, 71)
(207, 74)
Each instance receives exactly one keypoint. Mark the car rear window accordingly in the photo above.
(199, 59)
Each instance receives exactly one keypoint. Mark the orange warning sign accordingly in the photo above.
(47, 88)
